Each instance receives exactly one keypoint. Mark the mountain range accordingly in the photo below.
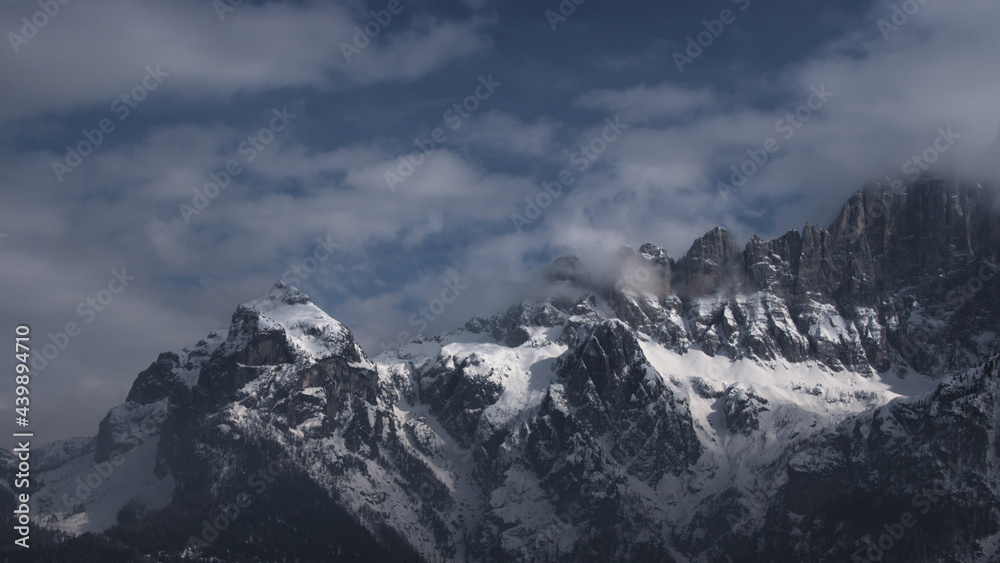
(829, 395)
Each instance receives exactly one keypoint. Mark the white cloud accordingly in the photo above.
(93, 52)
(656, 183)
(502, 132)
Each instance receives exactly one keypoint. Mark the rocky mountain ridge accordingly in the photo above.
(704, 408)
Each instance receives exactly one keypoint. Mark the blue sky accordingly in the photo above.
(204, 92)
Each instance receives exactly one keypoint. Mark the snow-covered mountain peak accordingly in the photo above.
(280, 294)
(734, 404)
(284, 308)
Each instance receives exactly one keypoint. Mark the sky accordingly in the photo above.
(161, 163)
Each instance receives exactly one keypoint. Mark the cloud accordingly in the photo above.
(891, 100)
(325, 176)
(502, 132)
(641, 103)
(94, 52)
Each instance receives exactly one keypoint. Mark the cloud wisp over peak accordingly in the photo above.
(285, 125)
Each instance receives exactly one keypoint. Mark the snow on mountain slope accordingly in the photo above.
(671, 412)
(799, 400)
(928, 461)
(747, 415)
(466, 406)
(307, 327)
(83, 495)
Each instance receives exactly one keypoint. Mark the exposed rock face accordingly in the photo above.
(611, 388)
(899, 280)
(773, 265)
(743, 409)
(733, 405)
(457, 394)
(172, 373)
(704, 268)
(910, 479)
